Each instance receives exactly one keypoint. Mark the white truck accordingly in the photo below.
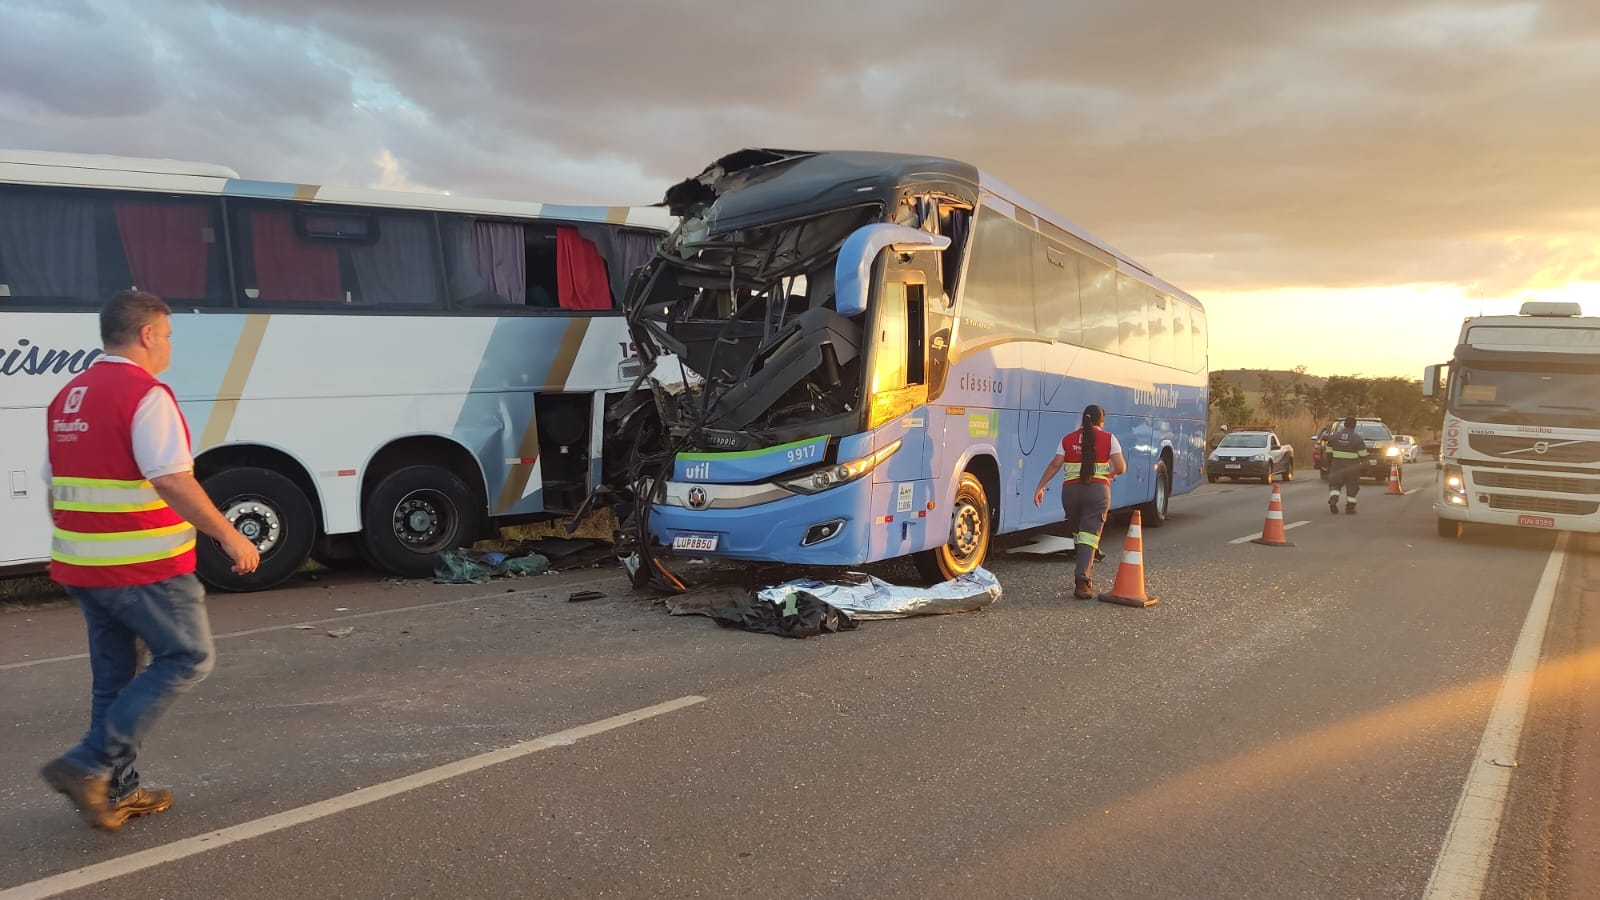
(1521, 440)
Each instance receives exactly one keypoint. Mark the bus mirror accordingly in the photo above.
(853, 272)
(1430, 381)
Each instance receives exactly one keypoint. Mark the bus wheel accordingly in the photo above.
(971, 527)
(1154, 513)
(271, 511)
(415, 513)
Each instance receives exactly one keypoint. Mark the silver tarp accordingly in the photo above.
(862, 596)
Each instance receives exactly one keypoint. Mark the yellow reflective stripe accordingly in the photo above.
(1072, 470)
(109, 536)
(122, 547)
(104, 495)
(1089, 538)
(1347, 454)
(70, 506)
(74, 481)
(71, 560)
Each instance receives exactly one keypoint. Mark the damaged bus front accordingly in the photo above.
(784, 435)
(877, 351)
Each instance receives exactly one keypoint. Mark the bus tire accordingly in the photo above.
(271, 510)
(1154, 513)
(415, 513)
(971, 529)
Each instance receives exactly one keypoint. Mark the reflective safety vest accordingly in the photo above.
(1345, 445)
(1072, 452)
(111, 527)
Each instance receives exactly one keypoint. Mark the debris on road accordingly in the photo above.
(864, 596)
(479, 566)
(580, 596)
(305, 628)
(342, 632)
(807, 607)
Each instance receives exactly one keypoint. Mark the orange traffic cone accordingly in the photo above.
(1394, 479)
(1128, 589)
(1272, 532)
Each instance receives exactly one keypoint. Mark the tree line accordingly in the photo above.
(1397, 401)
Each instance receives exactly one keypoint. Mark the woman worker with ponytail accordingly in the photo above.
(1092, 457)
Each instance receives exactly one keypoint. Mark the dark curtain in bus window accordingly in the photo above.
(398, 269)
(486, 262)
(580, 272)
(628, 251)
(288, 268)
(168, 247)
(47, 248)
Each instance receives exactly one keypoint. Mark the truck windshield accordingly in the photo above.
(1556, 397)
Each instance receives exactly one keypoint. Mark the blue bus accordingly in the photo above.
(881, 353)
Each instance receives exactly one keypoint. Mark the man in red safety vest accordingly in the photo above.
(125, 505)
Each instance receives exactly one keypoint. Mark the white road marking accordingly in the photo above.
(1463, 863)
(1412, 491)
(480, 598)
(155, 856)
(1250, 537)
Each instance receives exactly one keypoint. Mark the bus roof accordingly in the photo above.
(814, 180)
(173, 176)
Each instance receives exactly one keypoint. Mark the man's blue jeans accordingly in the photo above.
(171, 618)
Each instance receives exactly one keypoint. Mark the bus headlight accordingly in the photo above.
(1455, 486)
(843, 473)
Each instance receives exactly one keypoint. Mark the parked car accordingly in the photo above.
(1410, 450)
(1381, 449)
(1251, 454)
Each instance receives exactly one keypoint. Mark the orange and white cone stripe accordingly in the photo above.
(1272, 532)
(1128, 589)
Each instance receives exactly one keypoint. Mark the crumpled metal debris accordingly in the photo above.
(863, 596)
(806, 607)
(479, 566)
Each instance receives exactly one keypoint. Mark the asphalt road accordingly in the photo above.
(1286, 722)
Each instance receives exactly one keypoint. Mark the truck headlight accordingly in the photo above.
(1392, 451)
(1455, 486)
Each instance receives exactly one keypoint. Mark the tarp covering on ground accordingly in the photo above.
(806, 607)
(479, 566)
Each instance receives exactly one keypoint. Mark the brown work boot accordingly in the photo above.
(142, 802)
(1083, 589)
(87, 792)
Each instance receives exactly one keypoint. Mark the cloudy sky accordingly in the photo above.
(1339, 182)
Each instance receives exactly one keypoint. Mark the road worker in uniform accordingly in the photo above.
(1092, 457)
(126, 507)
(1346, 451)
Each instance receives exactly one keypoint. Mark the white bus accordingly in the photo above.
(365, 371)
(1521, 444)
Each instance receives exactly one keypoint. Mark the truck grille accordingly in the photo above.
(1516, 481)
(1556, 450)
(1553, 505)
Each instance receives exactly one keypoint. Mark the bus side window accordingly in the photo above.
(67, 247)
(309, 254)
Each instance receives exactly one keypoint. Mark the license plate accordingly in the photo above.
(1537, 521)
(1233, 466)
(705, 542)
